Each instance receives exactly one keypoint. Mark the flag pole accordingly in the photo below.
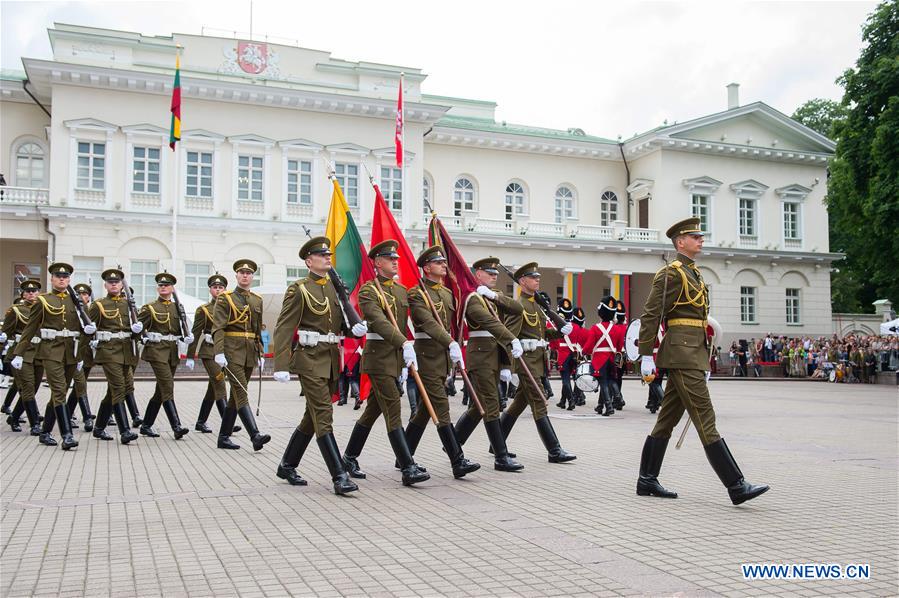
(176, 199)
(403, 196)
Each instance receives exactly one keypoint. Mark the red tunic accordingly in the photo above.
(602, 341)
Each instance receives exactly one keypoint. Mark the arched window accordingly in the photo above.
(565, 206)
(608, 208)
(516, 201)
(29, 165)
(463, 196)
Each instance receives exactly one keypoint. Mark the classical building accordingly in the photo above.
(91, 179)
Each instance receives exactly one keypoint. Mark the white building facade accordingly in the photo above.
(91, 179)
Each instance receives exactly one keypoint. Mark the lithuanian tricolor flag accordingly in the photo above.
(175, 130)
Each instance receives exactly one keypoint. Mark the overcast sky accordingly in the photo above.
(609, 68)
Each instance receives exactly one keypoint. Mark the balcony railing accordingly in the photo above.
(548, 230)
(24, 196)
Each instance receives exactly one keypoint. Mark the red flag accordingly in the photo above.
(383, 227)
(398, 141)
(352, 347)
(460, 281)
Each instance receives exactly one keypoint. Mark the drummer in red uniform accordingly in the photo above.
(602, 341)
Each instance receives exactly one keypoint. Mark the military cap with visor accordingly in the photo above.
(217, 279)
(434, 253)
(30, 285)
(113, 275)
(60, 268)
(166, 278)
(529, 269)
(687, 226)
(384, 249)
(489, 265)
(316, 245)
(245, 265)
(83, 288)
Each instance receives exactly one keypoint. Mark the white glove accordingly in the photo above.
(17, 362)
(220, 359)
(189, 339)
(137, 328)
(708, 376)
(359, 329)
(516, 380)
(94, 344)
(261, 362)
(2, 337)
(404, 375)
(409, 354)
(486, 292)
(90, 329)
(567, 328)
(281, 377)
(517, 351)
(505, 375)
(189, 364)
(455, 352)
(79, 365)
(647, 366)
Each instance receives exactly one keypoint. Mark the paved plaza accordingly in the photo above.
(160, 517)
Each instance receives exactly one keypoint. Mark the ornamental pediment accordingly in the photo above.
(749, 188)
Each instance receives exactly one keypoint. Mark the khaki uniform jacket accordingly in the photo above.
(384, 357)
(310, 304)
(55, 311)
(531, 324)
(237, 327)
(14, 323)
(433, 358)
(686, 296)
(202, 326)
(110, 314)
(161, 316)
(489, 352)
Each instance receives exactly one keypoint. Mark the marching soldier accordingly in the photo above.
(680, 298)
(78, 395)
(488, 338)
(237, 346)
(579, 318)
(621, 324)
(386, 352)
(312, 308)
(55, 327)
(216, 392)
(28, 377)
(163, 330)
(433, 311)
(602, 342)
(530, 326)
(115, 352)
(567, 353)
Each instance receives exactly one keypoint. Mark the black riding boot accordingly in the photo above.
(34, 417)
(249, 422)
(13, 419)
(171, 411)
(354, 449)
(581, 398)
(224, 440)
(465, 425)
(461, 465)
(502, 460)
(136, 419)
(656, 394)
(296, 447)
(650, 465)
(65, 427)
(71, 402)
(342, 482)
(10, 397)
(86, 415)
(46, 436)
(220, 405)
(146, 427)
(413, 437)
(566, 395)
(412, 474)
(617, 399)
(547, 387)
(121, 420)
(548, 435)
(102, 418)
(205, 409)
(506, 422)
(730, 475)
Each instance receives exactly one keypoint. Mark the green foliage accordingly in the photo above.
(821, 116)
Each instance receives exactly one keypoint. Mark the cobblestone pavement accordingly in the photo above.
(181, 518)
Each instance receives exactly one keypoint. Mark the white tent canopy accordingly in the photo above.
(885, 327)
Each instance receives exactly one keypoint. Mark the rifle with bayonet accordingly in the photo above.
(132, 311)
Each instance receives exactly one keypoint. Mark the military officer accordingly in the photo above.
(28, 377)
(237, 346)
(439, 354)
(78, 395)
(488, 342)
(56, 328)
(530, 326)
(216, 392)
(387, 351)
(163, 330)
(311, 308)
(115, 352)
(620, 323)
(680, 298)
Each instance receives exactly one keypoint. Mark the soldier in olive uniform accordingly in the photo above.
(163, 330)
(28, 377)
(439, 354)
(78, 395)
(216, 391)
(680, 298)
(386, 355)
(115, 352)
(237, 346)
(488, 340)
(55, 327)
(530, 326)
(311, 308)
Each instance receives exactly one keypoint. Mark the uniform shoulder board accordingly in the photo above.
(256, 294)
(676, 264)
(228, 292)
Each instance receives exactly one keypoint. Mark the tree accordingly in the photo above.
(821, 115)
(863, 189)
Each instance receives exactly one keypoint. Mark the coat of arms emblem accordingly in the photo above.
(252, 57)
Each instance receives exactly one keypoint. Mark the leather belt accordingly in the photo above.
(155, 337)
(532, 344)
(422, 335)
(373, 336)
(688, 322)
(103, 336)
(241, 334)
(50, 333)
(479, 334)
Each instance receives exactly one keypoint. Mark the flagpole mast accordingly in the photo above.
(176, 199)
(403, 195)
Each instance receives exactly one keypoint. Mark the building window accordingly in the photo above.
(29, 165)
(700, 209)
(608, 205)
(249, 178)
(199, 174)
(143, 280)
(564, 204)
(747, 217)
(392, 187)
(195, 276)
(348, 177)
(426, 204)
(146, 170)
(87, 271)
(463, 196)
(793, 306)
(91, 166)
(747, 305)
(295, 273)
(299, 182)
(516, 202)
(792, 224)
